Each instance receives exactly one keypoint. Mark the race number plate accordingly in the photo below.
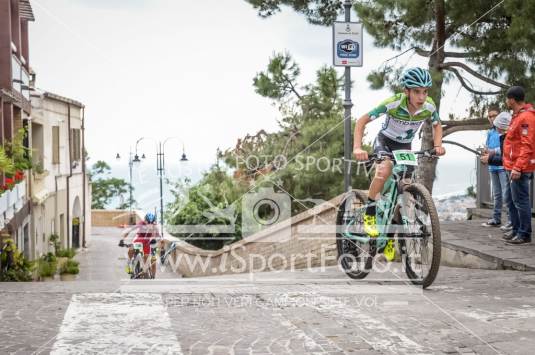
(138, 246)
(405, 157)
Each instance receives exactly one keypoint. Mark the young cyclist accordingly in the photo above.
(404, 115)
(146, 232)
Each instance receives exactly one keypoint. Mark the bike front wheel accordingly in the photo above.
(421, 243)
(354, 257)
(137, 267)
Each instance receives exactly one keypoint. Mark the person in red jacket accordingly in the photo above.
(519, 162)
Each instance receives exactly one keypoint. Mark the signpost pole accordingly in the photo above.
(347, 112)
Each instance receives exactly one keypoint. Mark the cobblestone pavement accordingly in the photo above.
(302, 312)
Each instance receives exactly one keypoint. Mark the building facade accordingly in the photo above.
(16, 80)
(60, 193)
(51, 195)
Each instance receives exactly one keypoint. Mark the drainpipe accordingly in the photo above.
(56, 221)
(69, 178)
(83, 178)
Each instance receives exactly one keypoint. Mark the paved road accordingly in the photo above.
(302, 312)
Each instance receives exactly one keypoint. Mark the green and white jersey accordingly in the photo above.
(399, 124)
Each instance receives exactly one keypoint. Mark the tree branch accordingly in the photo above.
(451, 130)
(425, 53)
(473, 72)
(465, 85)
(292, 87)
(465, 122)
(475, 124)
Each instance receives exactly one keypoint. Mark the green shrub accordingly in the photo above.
(70, 267)
(54, 240)
(46, 269)
(66, 253)
(19, 269)
(51, 258)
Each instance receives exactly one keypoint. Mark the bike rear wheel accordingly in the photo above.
(421, 246)
(355, 258)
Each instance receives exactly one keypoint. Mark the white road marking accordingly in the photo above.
(512, 313)
(113, 323)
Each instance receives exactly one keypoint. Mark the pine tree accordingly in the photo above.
(486, 41)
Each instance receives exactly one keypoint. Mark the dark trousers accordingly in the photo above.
(519, 205)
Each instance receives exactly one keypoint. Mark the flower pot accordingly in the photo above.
(12, 197)
(47, 279)
(3, 202)
(40, 176)
(67, 277)
(21, 190)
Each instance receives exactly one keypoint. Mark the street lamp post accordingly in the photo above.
(131, 162)
(347, 111)
(160, 166)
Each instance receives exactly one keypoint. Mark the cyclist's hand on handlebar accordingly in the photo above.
(360, 154)
(121, 243)
(439, 151)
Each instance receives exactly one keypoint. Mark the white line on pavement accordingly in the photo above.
(112, 323)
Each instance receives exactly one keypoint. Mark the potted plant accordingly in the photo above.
(69, 270)
(64, 255)
(14, 266)
(38, 171)
(54, 241)
(18, 152)
(6, 163)
(47, 268)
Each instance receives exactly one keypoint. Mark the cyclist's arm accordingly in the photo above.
(437, 134)
(127, 232)
(359, 131)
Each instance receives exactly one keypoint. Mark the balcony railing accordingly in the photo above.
(20, 78)
(25, 84)
(11, 202)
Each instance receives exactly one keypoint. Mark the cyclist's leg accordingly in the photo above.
(382, 172)
(129, 268)
(153, 260)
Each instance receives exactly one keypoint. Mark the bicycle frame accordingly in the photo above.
(385, 207)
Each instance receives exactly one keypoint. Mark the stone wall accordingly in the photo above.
(111, 218)
(305, 239)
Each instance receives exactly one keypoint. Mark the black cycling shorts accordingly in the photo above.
(385, 144)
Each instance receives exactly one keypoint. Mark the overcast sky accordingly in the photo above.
(184, 68)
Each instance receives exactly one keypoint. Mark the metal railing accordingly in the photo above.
(484, 190)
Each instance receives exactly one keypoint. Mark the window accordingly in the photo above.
(75, 145)
(55, 144)
(25, 84)
(16, 73)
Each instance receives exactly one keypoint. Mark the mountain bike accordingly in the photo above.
(406, 216)
(135, 265)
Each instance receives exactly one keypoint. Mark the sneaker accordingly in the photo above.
(389, 251)
(508, 236)
(507, 227)
(491, 223)
(128, 269)
(370, 226)
(519, 240)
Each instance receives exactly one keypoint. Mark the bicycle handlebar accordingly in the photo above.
(430, 153)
